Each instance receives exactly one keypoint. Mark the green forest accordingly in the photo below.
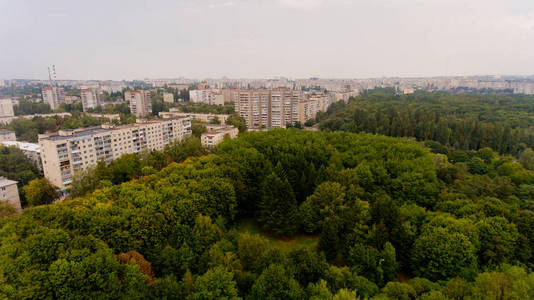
(288, 214)
(504, 123)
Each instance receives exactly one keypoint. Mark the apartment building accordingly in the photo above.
(90, 98)
(217, 98)
(199, 96)
(110, 117)
(6, 108)
(217, 133)
(268, 108)
(168, 97)
(72, 99)
(53, 95)
(7, 135)
(9, 193)
(140, 103)
(31, 150)
(208, 118)
(68, 151)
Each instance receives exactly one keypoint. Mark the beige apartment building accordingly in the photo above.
(217, 133)
(7, 135)
(278, 107)
(90, 98)
(53, 95)
(67, 151)
(9, 193)
(140, 103)
(208, 118)
(6, 108)
(110, 117)
(168, 97)
(268, 108)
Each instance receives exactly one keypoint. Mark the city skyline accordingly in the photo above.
(265, 39)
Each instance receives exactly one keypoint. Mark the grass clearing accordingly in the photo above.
(286, 243)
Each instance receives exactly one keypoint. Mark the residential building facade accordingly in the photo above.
(31, 150)
(68, 151)
(168, 97)
(140, 103)
(90, 99)
(9, 193)
(268, 108)
(199, 96)
(217, 133)
(6, 108)
(207, 118)
(53, 95)
(7, 135)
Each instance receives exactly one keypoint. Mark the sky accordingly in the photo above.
(137, 39)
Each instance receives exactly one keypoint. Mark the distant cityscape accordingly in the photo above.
(510, 84)
(261, 103)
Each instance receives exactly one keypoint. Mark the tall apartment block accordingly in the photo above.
(53, 95)
(67, 151)
(278, 107)
(140, 104)
(268, 108)
(90, 99)
(6, 108)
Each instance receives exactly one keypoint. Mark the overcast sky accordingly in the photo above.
(136, 39)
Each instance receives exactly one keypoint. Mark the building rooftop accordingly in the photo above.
(5, 182)
(23, 146)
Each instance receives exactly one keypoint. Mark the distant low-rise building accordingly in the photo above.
(408, 91)
(6, 108)
(71, 99)
(208, 118)
(31, 150)
(110, 117)
(7, 120)
(199, 96)
(168, 97)
(217, 133)
(9, 193)
(7, 135)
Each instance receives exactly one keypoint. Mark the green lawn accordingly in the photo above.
(285, 243)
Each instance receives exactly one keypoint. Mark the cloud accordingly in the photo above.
(301, 4)
(224, 4)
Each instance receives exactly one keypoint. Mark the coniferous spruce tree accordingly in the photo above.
(278, 207)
